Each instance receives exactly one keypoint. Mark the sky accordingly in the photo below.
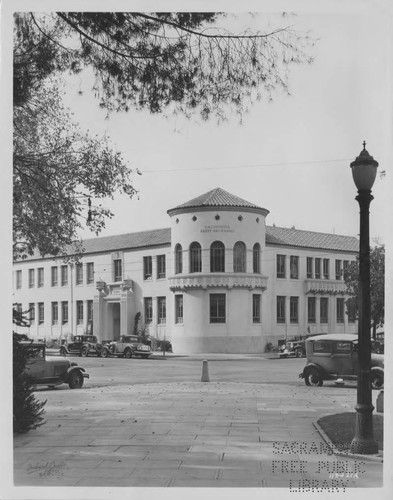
(291, 156)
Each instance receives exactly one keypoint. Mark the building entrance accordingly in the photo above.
(114, 312)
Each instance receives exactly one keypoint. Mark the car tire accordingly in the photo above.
(84, 352)
(313, 378)
(76, 380)
(127, 353)
(376, 380)
(63, 351)
(104, 353)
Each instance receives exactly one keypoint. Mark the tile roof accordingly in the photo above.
(310, 239)
(216, 198)
(274, 236)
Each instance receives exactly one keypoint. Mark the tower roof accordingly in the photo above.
(217, 198)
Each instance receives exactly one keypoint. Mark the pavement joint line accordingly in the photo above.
(340, 453)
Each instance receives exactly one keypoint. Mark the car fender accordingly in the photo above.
(73, 369)
(378, 369)
(310, 367)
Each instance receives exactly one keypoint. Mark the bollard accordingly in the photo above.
(205, 372)
(380, 402)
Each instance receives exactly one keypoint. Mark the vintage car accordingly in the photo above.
(126, 347)
(294, 348)
(82, 345)
(52, 371)
(335, 357)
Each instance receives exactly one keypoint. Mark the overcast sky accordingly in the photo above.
(290, 156)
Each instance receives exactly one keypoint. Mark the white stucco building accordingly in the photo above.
(218, 280)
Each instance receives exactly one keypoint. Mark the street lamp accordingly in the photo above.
(364, 171)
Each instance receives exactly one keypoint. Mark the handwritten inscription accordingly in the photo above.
(47, 469)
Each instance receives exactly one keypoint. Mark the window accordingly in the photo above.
(217, 257)
(311, 309)
(55, 313)
(117, 270)
(18, 279)
(195, 258)
(41, 316)
(341, 347)
(79, 312)
(326, 269)
(340, 310)
(217, 308)
(309, 267)
(161, 271)
(322, 346)
(318, 269)
(256, 258)
(351, 310)
(18, 307)
(148, 310)
(32, 312)
(178, 259)
(54, 276)
(79, 274)
(256, 308)
(239, 257)
(280, 266)
(90, 272)
(338, 270)
(40, 277)
(345, 268)
(161, 310)
(179, 309)
(64, 275)
(89, 311)
(294, 309)
(147, 268)
(324, 306)
(31, 278)
(294, 267)
(280, 309)
(64, 312)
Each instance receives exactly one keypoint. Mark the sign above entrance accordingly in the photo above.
(222, 228)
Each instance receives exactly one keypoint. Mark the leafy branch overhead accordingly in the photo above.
(177, 62)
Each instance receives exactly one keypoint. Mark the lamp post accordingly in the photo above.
(364, 171)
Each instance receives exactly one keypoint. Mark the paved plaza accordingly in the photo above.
(215, 434)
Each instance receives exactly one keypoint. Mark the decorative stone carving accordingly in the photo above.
(329, 287)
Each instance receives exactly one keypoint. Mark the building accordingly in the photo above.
(218, 280)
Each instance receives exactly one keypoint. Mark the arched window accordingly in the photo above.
(178, 259)
(195, 257)
(256, 258)
(239, 257)
(217, 257)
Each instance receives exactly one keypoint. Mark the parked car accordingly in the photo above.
(335, 357)
(126, 347)
(54, 371)
(82, 345)
(296, 348)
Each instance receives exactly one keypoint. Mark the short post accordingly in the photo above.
(205, 372)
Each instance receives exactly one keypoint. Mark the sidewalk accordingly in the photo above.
(189, 435)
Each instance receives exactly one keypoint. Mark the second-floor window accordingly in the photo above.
(318, 268)
(161, 267)
(117, 270)
(294, 267)
(40, 277)
(326, 269)
(90, 272)
(339, 272)
(195, 257)
(280, 266)
(256, 258)
(147, 268)
(54, 276)
(309, 267)
(64, 275)
(217, 257)
(239, 257)
(79, 273)
(178, 259)
(31, 278)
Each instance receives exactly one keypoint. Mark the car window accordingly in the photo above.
(341, 347)
(322, 346)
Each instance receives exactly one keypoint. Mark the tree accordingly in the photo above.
(157, 60)
(27, 410)
(377, 287)
(57, 170)
(180, 62)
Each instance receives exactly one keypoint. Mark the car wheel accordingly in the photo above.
(84, 352)
(299, 353)
(63, 351)
(127, 353)
(313, 378)
(376, 380)
(76, 380)
(104, 353)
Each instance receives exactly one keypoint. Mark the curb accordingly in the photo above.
(336, 451)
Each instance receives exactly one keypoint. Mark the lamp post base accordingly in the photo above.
(363, 443)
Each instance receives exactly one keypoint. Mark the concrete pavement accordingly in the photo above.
(190, 435)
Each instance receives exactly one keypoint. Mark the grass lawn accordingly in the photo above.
(340, 429)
